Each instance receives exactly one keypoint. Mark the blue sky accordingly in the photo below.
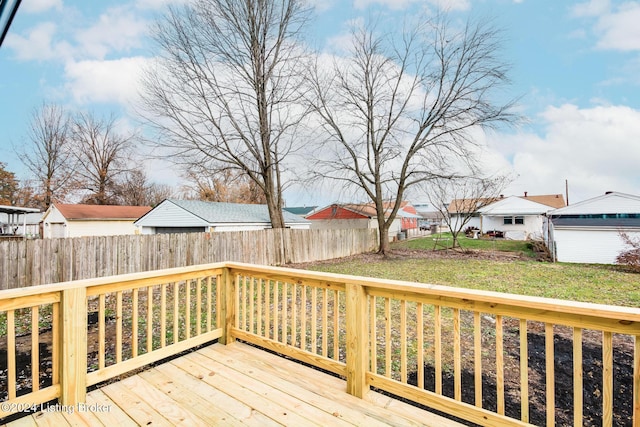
(575, 65)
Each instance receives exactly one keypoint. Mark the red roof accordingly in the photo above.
(355, 211)
(101, 211)
(337, 212)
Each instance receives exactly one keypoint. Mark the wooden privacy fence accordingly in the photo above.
(34, 262)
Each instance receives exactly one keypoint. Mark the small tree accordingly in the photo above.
(458, 199)
(631, 256)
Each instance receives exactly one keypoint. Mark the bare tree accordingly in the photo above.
(136, 190)
(224, 92)
(458, 199)
(48, 155)
(400, 109)
(226, 186)
(102, 155)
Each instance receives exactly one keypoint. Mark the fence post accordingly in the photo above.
(357, 325)
(227, 306)
(73, 346)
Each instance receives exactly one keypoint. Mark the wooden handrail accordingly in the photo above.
(297, 312)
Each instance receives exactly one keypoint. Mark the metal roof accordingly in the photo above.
(214, 212)
(16, 209)
(608, 203)
(8, 9)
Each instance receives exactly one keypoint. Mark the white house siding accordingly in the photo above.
(588, 245)
(456, 220)
(531, 229)
(78, 228)
(169, 215)
(54, 225)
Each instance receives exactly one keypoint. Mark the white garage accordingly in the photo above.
(589, 231)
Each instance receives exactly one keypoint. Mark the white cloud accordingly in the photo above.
(38, 44)
(157, 4)
(591, 8)
(37, 6)
(620, 30)
(459, 5)
(615, 28)
(595, 149)
(118, 29)
(104, 81)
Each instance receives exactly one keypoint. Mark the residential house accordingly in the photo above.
(408, 215)
(589, 231)
(65, 220)
(514, 217)
(519, 218)
(195, 216)
(358, 216)
(460, 210)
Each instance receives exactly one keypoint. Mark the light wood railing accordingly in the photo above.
(446, 348)
(454, 350)
(88, 331)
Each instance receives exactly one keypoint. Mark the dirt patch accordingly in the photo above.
(420, 254)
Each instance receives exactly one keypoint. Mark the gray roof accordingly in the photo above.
(597, 222)
(214, 212)
(300, 210)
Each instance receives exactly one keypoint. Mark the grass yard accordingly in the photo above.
(445, 240)
(490, 269)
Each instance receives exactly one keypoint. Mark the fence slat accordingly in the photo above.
(37, 262)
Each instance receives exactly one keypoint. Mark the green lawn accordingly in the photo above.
(578, 282)
(445, 239)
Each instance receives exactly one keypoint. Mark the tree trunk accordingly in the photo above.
(383, 235)
(275, 210)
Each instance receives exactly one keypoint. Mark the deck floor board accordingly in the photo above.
(236, 385)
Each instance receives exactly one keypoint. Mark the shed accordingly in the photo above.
(589, 231)
(67, 220)
(196, 216)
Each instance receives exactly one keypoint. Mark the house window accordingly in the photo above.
(510, 220)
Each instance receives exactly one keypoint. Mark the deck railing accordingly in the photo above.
(463, 352)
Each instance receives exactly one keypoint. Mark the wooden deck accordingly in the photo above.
(233, 385)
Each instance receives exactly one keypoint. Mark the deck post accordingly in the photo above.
(73, 346)
(227, 306)
(357, 331)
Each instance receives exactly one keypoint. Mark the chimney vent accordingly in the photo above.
(525, 194)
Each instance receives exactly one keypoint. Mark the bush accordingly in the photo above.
(630, 257)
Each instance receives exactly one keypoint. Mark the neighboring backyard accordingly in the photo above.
(494, 265)
(514, 267)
